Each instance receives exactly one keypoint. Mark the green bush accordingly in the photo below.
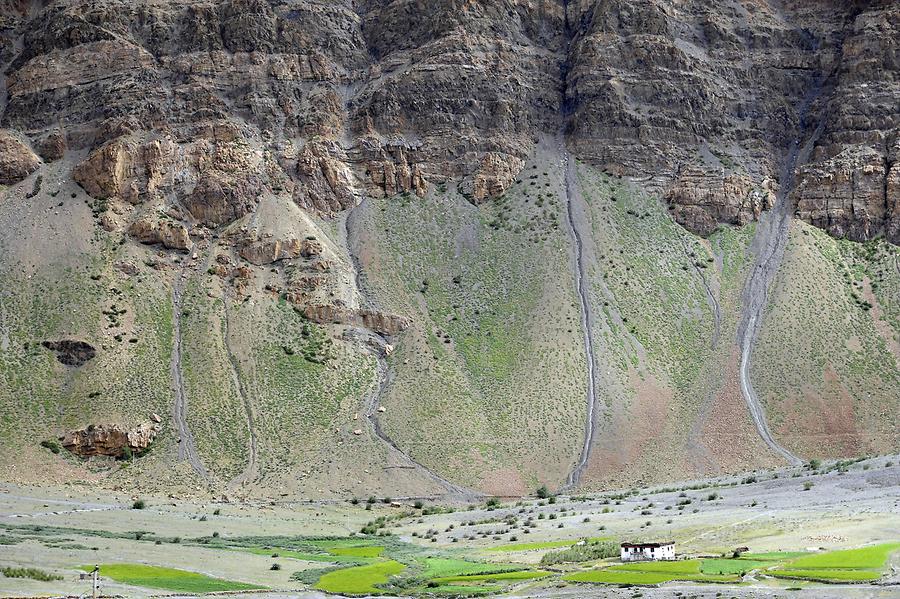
(582, 553)
(32, 573)
(52, 445)
(543, 492)
(138, 504)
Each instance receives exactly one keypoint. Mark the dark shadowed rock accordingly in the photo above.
(71, 352)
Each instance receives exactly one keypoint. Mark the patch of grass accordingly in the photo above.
(771, 556)
(610, 576)
(305, 555)
(170, 579)
(359, 580)
(499, 576)
(32, 573)
(437, 567)
(825, 575)
(369, 551)
(651, 573)
(458, 590)
(873, 556)
(731, 566)
(688, 566)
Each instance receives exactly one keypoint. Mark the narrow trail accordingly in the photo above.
(187, 447)
(701, 457)
(770, 242)
(710, 296)
(572, 195)
(384, 376)
(250, 471)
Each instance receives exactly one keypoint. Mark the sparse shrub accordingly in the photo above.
(138, 504)
(543, 492)
(32, 573)
(275, 567)
(807, 486)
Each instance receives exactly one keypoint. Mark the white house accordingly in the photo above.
(635, 552)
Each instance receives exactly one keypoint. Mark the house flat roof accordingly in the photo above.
(649, 545)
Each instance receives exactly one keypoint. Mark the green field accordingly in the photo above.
(169, 579)
(865, 563)
(437, 567)
(771, 556)
(874, 556)
(650, 573)
(360, 580)
(825, 575)
(500, 576)
(731, 566)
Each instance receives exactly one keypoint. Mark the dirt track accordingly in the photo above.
(187, 447)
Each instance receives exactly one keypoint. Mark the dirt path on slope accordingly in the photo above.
(572, 196)
(384, 376)
(251, 470)
(187, 447)
(770, 242)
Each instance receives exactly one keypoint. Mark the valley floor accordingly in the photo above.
(211, 545)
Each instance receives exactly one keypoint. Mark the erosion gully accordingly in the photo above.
(250, 470)
(187, 446)
(770, 242)
(374, 398)
(581, 286)
(573, 212)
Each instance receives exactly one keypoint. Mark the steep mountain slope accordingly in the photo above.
(349, 247)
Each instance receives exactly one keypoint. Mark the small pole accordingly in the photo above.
(95, 581)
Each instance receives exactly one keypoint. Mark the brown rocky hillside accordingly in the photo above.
(404, 247)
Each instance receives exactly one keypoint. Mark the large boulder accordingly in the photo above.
(17, 160)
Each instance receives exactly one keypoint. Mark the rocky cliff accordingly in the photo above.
(208, 106)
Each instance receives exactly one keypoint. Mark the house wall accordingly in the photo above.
(634, 554)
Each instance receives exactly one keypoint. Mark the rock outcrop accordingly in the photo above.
(17, 159)
(701, 198)
(110, 440)
(851, 186)
(267, 251)
(385, 324)
(152, 230)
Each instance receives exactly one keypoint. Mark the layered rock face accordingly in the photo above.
(851, 187)
(109, 440)
(213, 105)
(711, 96)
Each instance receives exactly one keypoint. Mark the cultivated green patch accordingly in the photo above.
(359, 580)
(169, 579)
